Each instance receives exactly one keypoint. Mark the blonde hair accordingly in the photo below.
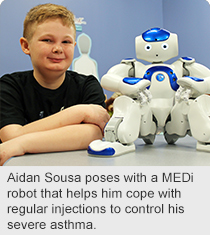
(41, 13)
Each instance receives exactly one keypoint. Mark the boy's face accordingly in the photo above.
(51, 47)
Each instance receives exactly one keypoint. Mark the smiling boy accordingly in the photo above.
(49, 108)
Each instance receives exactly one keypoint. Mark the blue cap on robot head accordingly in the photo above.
(155, 35)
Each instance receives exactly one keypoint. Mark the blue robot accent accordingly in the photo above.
(104, 152)
(131, 80)
(156, 35)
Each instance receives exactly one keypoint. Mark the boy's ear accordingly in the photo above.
(24, 45)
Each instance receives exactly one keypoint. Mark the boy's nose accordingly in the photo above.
(57, 49)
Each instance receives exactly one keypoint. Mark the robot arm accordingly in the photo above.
(121, 78)
(197, 86)
(196, 82)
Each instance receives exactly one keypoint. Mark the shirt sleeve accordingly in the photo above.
(11, 104)
(93, 92)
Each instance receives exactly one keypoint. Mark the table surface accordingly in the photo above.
(183, 153)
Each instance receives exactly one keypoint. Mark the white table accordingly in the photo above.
(183, 153)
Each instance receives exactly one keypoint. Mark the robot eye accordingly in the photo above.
(165, 46)
(148, 47)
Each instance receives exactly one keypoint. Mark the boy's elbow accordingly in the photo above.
(99, 134)
(95, 134)
(10, 132)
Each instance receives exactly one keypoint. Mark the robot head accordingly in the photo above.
(156, 45)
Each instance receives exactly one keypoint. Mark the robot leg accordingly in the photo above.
(148, 125)
(129, 112)
(199, 119)
(177, 124)
(121, 130)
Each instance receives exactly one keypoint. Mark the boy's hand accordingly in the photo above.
(96, 114)
(10, 149)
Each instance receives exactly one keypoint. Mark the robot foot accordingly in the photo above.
(149, 139)
(203, 146)
(109, 149)
(171, 139)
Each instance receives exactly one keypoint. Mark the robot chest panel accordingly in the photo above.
(163, 81)
(160, 85)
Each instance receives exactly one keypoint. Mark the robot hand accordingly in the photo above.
(191, 86)
(183, 94)
(144, 97)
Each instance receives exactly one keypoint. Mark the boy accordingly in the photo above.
(49, 109)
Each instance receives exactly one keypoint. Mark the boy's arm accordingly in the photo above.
(72, 137)
(71, 129)
(93, 114)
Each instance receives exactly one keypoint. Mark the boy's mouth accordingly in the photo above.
(56, 60)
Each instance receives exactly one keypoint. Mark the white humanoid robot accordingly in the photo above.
(156, 97)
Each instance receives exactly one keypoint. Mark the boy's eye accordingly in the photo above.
(66, 41)
(46, 40)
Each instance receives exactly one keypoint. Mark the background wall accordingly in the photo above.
(190, 19)
(112, 26)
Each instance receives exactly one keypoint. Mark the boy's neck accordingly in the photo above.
(51, 82)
